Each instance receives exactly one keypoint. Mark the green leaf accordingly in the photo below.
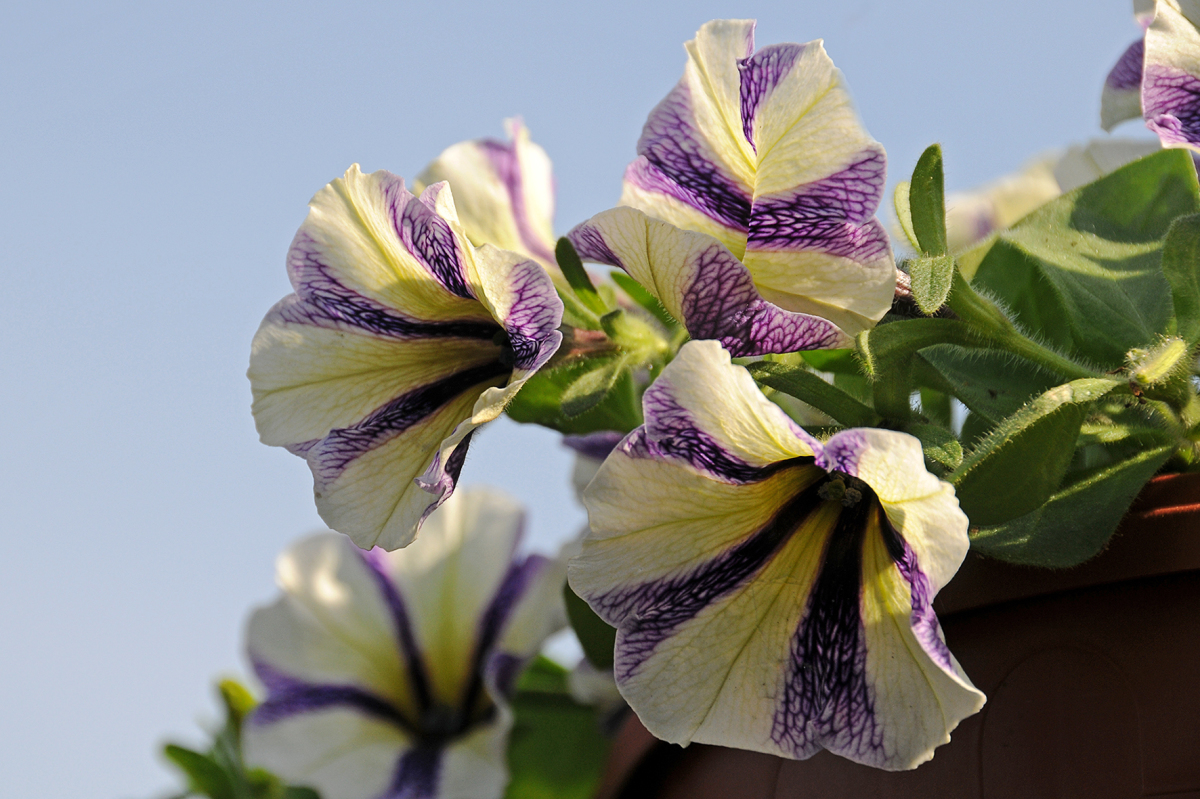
(297, 792)
(927, 204)
(237, 700)
(595, 635)
(540, 402)
(991, 383)
(1084, 271)
(936, 406)
(203, 773)
(836, 361)
(1021, 463)
(589, 389)
(887, 346)
(1077, 521)
(904, 213)
(573, 269)
(1181, 265)
(810, 388)
(543, 676)
(941, 448)
(932, 277)
(556, 749)
(645, 299)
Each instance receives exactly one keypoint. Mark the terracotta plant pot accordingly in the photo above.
(1092, 676)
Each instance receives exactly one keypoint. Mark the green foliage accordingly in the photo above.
(595, 635)
(220, 773)
(556, 749)
(590, 388)
(808, 387)
(926, 202)
(1020, 464)
(1084, 271)
(540, 400)
(991, 383)
(932, 276)
(1181, 266)
(942, 451)
(577, 276)
(1077, 520)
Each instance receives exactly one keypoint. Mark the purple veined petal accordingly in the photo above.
(760, 74)
(288, 697)
(408, 649)
(429, 237)
(1171, 104)
(503, 190)
(594, 445)
(1171, 76)
(1121, 98)
(701, 283)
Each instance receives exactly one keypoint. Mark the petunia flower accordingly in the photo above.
(1121, 98)
(389, 674)
(504, 192)
(1171, 78)
(762, 156)
(400, 340)
(1158, 77)
(770, 591)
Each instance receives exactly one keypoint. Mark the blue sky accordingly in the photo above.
(155, 161)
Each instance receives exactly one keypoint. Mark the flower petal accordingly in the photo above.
(695, 167)
(710, 413)
(368, 242)
(699, 282)
(339, 751)
(1171, 79)
(1121, 98)
(504, 192)
(332, 627)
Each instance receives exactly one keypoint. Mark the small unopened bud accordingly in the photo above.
(1160, 363)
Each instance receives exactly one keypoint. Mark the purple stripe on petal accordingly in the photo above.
(338, 449)
(533, 317)
(840, 453)
(830, 215)
(760, 74)
(503, 669)
(441, 481)
(516, 583)
(417, 774)
(723, 303)
(321, 300)
(1126, 74)
(649, 613)
(594, 445)
(1171, 104)
(589, 243)
(507, 163)
(429, 238)
(410, 652)
(679, 163)
(924, 621)
(672, 431)
(288, 696)
(826, 700)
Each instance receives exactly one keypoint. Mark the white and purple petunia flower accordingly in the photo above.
(400, 340)
(763, 158)
(388, 674)
(503, 191)
(1158, 77)
(770, 591)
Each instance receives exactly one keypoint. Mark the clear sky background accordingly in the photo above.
(155, 161)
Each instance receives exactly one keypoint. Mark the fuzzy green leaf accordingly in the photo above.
(927, 204)
(1077, 521)
(1181, 265)
(991, 383)
(932, 277)
(577, 275)
(540, 401)
(645, 299)
(204, 775)
(590, 388)
(1021, 463)
(810, 388)
(941, 448)
(1085, 270)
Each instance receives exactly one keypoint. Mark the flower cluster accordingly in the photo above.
(788, 441)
